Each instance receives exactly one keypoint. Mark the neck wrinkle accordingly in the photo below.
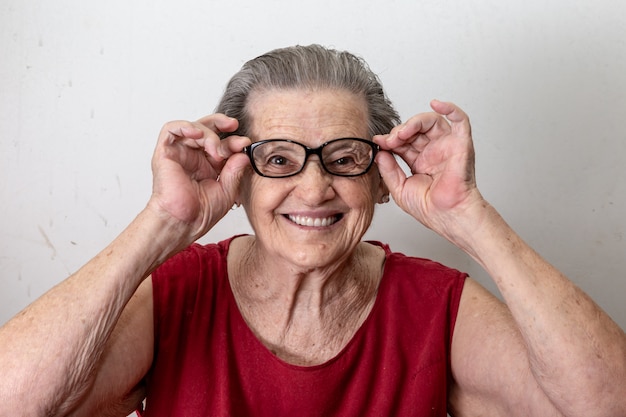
(287, 318)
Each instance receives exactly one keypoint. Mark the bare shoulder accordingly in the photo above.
(118, 386)
(490, 364)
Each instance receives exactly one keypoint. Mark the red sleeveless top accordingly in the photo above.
(207, 361)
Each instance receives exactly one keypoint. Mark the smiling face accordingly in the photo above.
(313, 219)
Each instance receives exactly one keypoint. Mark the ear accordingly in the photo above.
(382, 194)
(237, 192)
(243, 191)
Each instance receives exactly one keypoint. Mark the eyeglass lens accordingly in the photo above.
(345, 157)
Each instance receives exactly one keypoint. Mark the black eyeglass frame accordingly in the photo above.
(248, 150)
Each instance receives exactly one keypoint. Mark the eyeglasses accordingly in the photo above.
(280, 158)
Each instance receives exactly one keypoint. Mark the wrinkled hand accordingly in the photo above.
(438, 149)
(197, 175)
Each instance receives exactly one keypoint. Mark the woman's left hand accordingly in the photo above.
(438, 149)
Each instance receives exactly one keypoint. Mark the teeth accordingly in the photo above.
(313, 222)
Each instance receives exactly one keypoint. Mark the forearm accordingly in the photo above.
(48, 352)
(577, 353)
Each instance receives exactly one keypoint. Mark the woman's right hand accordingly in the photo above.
(196, 175)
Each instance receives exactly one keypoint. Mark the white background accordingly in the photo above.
(86, 86)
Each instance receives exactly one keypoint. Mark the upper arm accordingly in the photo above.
(490, 365)
(117, 385)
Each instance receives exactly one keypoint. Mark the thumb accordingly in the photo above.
(232, 173)
(392, 173)
(408, 197)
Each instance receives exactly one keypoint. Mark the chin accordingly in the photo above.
(315, 254)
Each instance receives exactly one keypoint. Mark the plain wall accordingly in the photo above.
(86, 86)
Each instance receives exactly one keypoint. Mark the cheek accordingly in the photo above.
(372, 190)
(245, 188)
(252, 187)
(363, 200)
(260, 195)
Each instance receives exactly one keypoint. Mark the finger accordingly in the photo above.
(459, 120)
(421, 123)
(419, 128)
(392, 142)
(180, 130)
(220, 150)
(234, 144)
(219, 123)
(381, 140)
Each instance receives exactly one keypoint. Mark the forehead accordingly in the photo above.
(311, 116)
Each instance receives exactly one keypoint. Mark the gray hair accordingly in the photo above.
(311, 67)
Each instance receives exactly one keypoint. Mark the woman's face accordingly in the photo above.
(313, 219)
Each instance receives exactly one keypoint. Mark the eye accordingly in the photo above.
(277, 160)
(344, 160)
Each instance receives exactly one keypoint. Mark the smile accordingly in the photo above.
(313, 221)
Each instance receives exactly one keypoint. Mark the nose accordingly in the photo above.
(314, 183)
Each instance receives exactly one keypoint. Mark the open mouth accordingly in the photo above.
(314, 221)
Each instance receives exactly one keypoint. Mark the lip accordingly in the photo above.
(315, 221)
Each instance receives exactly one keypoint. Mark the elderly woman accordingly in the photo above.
(303, 318)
